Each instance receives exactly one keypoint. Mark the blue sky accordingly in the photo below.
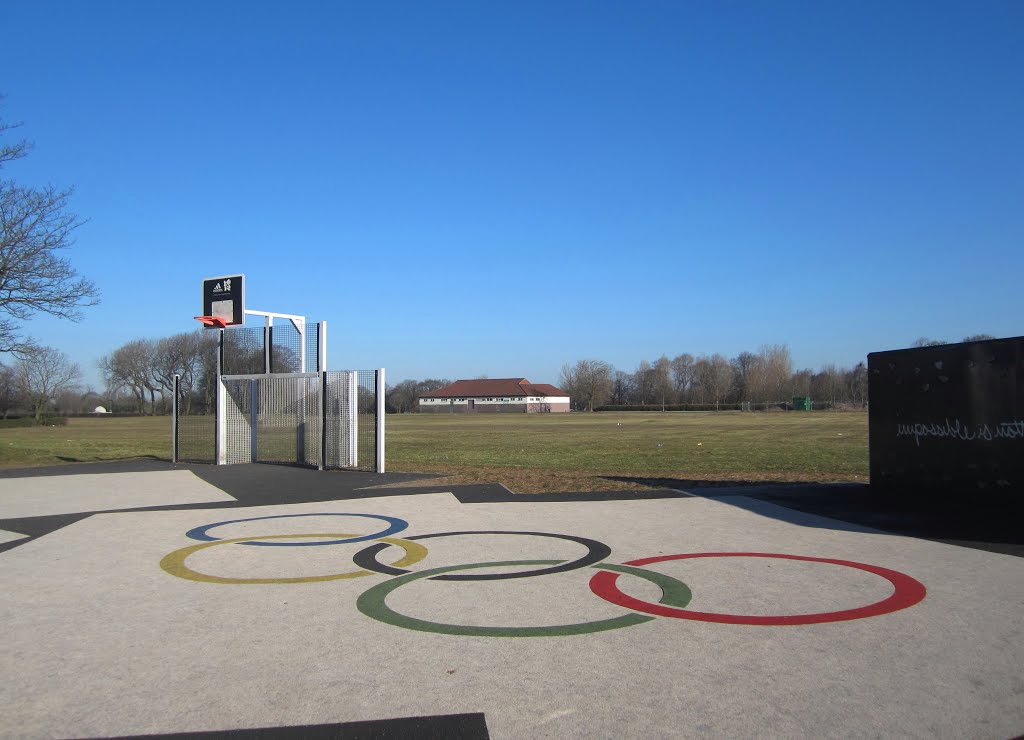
(468, 188)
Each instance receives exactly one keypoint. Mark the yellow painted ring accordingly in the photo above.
(174, 563)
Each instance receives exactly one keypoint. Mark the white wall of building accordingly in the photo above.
(493, 400)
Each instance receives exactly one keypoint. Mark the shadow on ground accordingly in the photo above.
(984, 522)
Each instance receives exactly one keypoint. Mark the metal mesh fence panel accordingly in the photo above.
(288, 419)
(327, 420)
(245, 354)
(367, 419)
(351, 420)
(243, 350)
(285, 348)
(196, 432)
(311, 421)
(237, 420)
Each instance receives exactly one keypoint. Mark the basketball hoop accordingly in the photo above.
(216, 321)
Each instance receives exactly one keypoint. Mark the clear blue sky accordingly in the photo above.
(467, 188)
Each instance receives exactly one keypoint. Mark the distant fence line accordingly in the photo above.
(743, 406)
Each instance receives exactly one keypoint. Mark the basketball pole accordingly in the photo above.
(220, 435)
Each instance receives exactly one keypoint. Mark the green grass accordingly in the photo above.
(87, 440)
(547, 452)
(534, 453)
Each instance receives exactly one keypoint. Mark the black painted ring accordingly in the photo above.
(596, 551)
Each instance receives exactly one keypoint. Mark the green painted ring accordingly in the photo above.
(372, 604)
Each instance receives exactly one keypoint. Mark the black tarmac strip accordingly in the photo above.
(975, 521)
(442, 727)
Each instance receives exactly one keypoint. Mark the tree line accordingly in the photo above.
(139, 378)
(763, 378)
(143, 370)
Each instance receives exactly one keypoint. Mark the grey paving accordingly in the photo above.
(100, 640)
(49, 495)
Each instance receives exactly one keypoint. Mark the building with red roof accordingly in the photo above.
(495, 396)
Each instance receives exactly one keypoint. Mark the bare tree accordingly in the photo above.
(131, 366)
(622, 387)
(770, 374)
(588, 383)
(745, 369)
(401, 398)
(43, 375)
(926, 342)
(682, 376)
(857, 384)
(35, 226)
(661, 380)
(829, 384)
(643, 382)
(182, 355)
(801, 382)
(714, 377)
(10, 393)
(977, 338)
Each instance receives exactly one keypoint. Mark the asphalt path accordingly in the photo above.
(260, 601)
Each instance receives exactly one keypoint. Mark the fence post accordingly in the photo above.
(220, 453)
(174, 418)
(352, 419)
(321, 347)
(380, 391)
(323, 421)
(254, 411)
(268, 339)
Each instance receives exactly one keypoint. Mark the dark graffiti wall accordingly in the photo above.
(949, 417)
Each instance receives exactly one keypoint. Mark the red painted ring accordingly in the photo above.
(908, 592)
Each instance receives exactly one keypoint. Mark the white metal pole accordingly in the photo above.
(220, 427)
(321, 350)
(353, 419)
(222, 423)
(381, 386)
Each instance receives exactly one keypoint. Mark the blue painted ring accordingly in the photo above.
(394, 525)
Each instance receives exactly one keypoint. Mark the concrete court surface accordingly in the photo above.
(182, 618)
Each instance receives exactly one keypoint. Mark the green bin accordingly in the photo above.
(801, 403)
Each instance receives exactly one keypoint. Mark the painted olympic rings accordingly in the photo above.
(596, 551)
(395, 525)
(174, 563)
(673, 603)
(908, 592)
(372, 604)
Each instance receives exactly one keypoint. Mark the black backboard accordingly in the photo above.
(224, 297)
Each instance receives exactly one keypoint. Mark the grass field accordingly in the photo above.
(538, 453)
